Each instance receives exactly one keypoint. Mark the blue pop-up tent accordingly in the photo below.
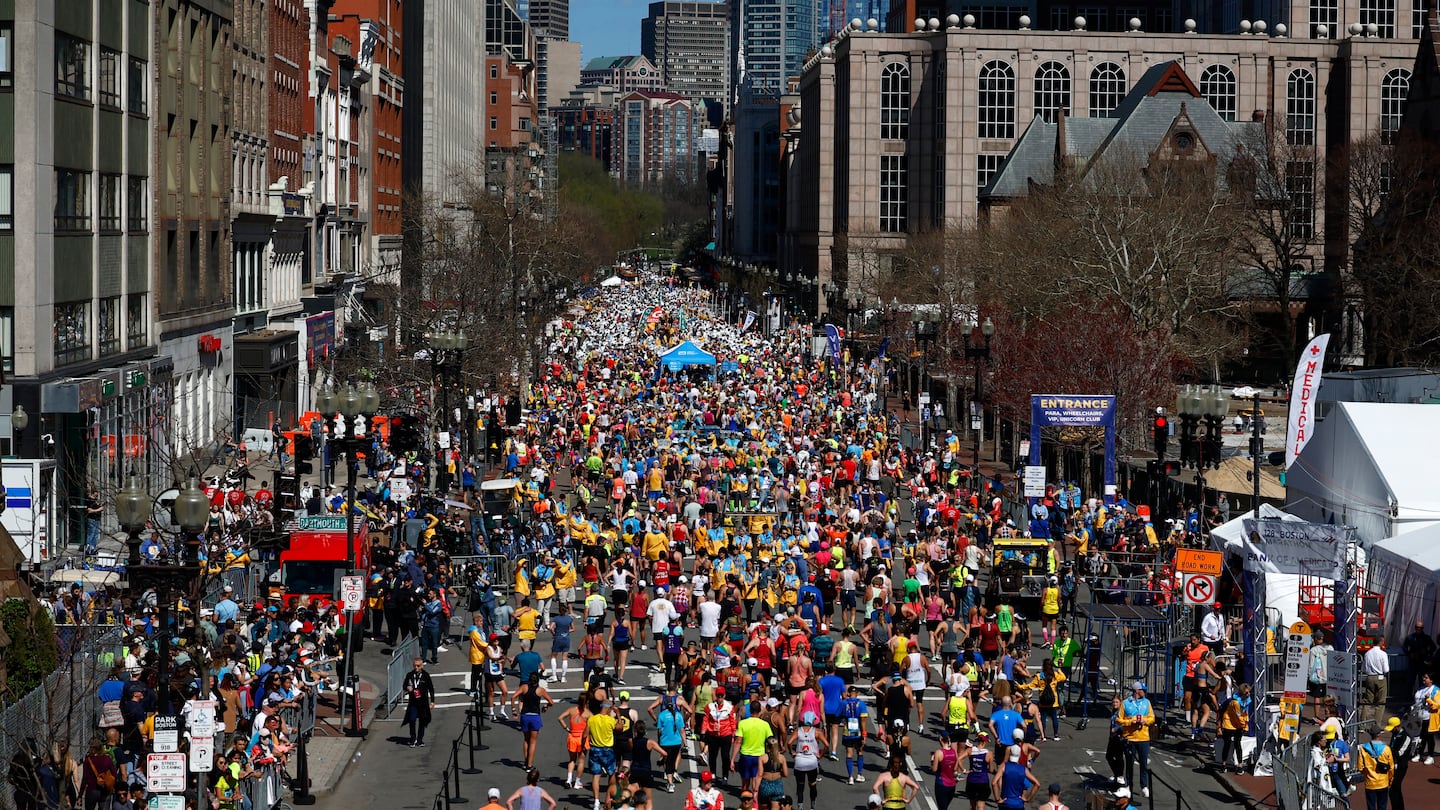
(686, 354)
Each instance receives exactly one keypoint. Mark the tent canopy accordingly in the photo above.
(613, 281)
(686, 354)
(1372, 466)
(1282, 591)
(1405, 569)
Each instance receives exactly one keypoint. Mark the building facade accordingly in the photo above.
(586, 122)
(557, 71)
(690, 43)
(770, 40)
(657, 137)
(897, 133)
(624, 73)
(442, 131)
(549, 18)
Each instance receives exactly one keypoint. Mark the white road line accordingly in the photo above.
(915, 774)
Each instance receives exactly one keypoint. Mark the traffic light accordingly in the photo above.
(404, 434)
(304, 454)
(1162, 435)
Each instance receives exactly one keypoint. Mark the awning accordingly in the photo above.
(686, 354)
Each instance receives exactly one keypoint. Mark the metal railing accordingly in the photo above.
(400, 659)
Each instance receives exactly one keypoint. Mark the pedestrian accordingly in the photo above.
(1418, 647)
(476, 650)
(895, 787)
(809, 744)
(531, 796)
(560, 628)
(1403, 743)
(420, 696)
(1054, 802)
(1136, 718)
(1234, 723)
(945, 764)
(704, 796)
(853, 717)
(1377, 767)
(1427, 709)
(600, 731)
(574, 720)
(1375, 687)
(1014, 784)
(493, 803)
(527, 706)
(979, 770)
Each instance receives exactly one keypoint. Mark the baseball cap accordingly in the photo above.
(624, 695)
(1330, 733)
(772, 702)
(874, 800)
(1218, 605)
(493, 793)
(1018, 735)
(1392, 724)
(706, 776)
(1139, 685)
(1122, 792)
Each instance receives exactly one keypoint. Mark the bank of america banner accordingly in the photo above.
(1296, 547)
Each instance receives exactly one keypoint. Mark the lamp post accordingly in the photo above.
(19, 420)
(191, 511)
(447, 350)
(1201, 450)
(925, 328)
(978, 351)
(355, 406)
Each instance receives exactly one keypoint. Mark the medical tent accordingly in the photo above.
(1282, 591)
(1406, 570)
(686, 354)
(1372, 466)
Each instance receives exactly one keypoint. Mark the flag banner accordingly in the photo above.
(749, 320)
(832, 334)
(1302, 397)
(884, 345)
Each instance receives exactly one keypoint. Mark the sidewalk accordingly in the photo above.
(329, 751)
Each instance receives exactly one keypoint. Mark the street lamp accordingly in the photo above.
(19, 420)
(978, 352)
(447, 350)
(1196, 404)
(926, 326)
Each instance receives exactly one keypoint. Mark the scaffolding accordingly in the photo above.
(1124, 643)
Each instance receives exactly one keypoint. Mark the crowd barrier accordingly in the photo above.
(400, 662)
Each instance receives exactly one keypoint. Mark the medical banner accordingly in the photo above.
(832, 334)
(1068, 410)
(1302, 397)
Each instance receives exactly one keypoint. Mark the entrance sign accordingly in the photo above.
(1340, 677)
(1035, 481)
(1066, 410)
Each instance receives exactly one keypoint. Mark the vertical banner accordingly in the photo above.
(884, 346)
(1302, 397)
(1064, 410)
(749, 320)
(832, 335)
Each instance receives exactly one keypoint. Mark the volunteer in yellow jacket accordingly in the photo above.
(478, 647)
(1136, 718)
(1377, 766)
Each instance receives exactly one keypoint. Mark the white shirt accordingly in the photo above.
(1212, 627)
(709, 619)
(1377, 661)
(661, 613)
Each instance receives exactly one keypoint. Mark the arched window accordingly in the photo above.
(895, 101)
(1107, 89)
(996, 111)
(1217, 86)
(1393, 91)
(1300, 108)
(1052, 91)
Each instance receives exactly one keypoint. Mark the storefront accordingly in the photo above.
(266, 378)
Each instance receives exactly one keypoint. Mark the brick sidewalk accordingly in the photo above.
(1421, 786)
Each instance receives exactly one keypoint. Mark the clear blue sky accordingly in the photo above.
(607, 27)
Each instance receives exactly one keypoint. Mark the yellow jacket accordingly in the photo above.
(1374, 780)
(477, 646)
(1136, 718)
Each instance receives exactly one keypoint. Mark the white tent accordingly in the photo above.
(1282, 591)
(1371, 466)
(1406, 571)
(613, 281)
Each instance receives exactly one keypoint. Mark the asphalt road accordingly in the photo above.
(387, 773)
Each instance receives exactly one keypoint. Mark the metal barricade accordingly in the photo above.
(400, 661)
(498, 567)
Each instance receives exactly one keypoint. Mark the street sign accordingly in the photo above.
(322, 523)
(399, 488)
(167, 803)
(352, 593)
(1199, 589)
(1297, 658)
(1340, 677)
(200, 718)
(167, 733)
(1195, 561)
(925, 413)
(202, 754)
(442, 440)
(1035, 481)
(165, 773)
(924, 397)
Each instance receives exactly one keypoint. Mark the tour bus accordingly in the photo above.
(316, 560)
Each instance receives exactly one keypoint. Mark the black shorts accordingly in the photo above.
(1317, 690)
(794, 691)
(832, 720)
(977, 791)
(931, 624)
(1188, 683)
(990, 655)
(620, 646)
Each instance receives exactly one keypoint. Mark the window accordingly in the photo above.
(72, 200)
(524, 123)
(997, 100)
(494, 122)
(107, 325)
(7, 338)
(1393, 91)
(7, 41)
(937, 168)
(110, 202)
(109, 83)
(72, 332)
(7, 197)
(494, 98)
(1107, 89)
(895, 101)
(1417, 20)
(1381, 13)
(1052, 91)
(893, 193)
(1300, 108)
(137, 204)
(137, 311)
(985, 168)
(1217, 86)
(1300, 185)
(72, 67)
(137, 86)
(1324, 13)
(494, 71)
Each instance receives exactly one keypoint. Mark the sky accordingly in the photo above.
(607, 27)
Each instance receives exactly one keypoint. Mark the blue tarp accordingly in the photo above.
(686, 354)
